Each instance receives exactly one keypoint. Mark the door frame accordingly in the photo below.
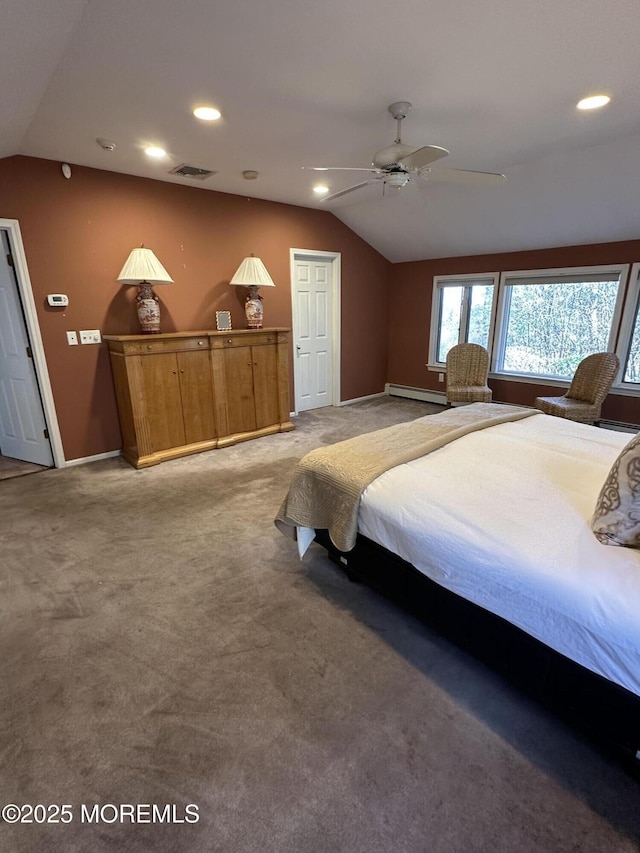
(334, 258)
(25, 292)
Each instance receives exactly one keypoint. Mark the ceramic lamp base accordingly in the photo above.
(253, 309)
(148, 310)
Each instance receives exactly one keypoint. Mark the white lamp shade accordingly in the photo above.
(142, 265)
(252, 272)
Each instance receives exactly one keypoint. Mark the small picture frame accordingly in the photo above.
(223, 321)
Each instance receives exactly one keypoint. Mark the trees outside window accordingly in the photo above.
(549, 328)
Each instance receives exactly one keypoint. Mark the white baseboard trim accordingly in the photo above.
(82, 459)
(412, 393)
(362, 399)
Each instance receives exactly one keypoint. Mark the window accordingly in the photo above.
(549, 323)
(632, 365)
(462, 312)
(629, 344)
(540, 324)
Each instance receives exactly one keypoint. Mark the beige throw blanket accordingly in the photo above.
(328, 482)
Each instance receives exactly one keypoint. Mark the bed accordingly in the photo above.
(488, 534)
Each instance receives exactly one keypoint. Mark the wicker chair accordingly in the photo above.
(589, 387)
(467, 371)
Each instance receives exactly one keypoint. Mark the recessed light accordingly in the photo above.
(593, 102)
(152, 151)
(207, 113)
(321, 189)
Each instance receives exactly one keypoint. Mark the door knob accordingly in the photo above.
(298, 347)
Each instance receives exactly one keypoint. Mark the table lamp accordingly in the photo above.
(253, 274)
(143, 269)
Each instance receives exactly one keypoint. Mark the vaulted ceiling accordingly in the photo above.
(309, 83)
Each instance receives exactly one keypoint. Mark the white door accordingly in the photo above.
(22, 425)
(312, 333)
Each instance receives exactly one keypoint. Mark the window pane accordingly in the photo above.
(632, 369)
(480, 314)
(450, 310)
(552, 327)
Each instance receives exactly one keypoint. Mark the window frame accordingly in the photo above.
(627, 306)
(467, 280)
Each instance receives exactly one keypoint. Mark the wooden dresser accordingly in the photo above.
(184, 392)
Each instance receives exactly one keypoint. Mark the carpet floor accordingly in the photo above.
(161, 643)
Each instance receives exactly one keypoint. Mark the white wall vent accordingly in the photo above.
(186, 171)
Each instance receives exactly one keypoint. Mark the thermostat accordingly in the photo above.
(58, 300)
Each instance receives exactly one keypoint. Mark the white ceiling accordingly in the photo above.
(308, 83)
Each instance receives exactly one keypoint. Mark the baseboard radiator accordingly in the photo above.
(440, 397)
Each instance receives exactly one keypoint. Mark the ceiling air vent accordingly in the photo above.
(186, 171)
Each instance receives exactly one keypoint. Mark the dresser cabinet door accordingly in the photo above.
(241, 410)
(162, 400)
(265, 385)
(196, 391)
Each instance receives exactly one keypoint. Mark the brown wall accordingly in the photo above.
(410, 315)
(78, 233)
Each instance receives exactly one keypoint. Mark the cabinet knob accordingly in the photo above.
(149, 346)
(182, 371)
(229, 340)
(200, 343)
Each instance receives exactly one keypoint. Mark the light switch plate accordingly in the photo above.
(90, 336)
(72, 339)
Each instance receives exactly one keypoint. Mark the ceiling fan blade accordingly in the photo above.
(422, 157)
(350, 189)
(464, 176)
(342, 169)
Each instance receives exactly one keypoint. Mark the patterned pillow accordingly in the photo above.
(616, 520)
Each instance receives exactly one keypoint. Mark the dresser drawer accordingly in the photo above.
(166, 345)
(252, 340)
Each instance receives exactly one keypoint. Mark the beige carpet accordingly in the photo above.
(162, 644)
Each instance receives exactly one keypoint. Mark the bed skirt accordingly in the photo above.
(602, 710)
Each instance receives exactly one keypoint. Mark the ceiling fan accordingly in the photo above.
(399, 164)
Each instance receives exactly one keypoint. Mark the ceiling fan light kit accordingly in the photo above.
(400, 164)
(397, 179)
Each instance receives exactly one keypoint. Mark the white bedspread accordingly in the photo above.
(501, 517)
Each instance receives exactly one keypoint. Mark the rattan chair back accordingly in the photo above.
(589, 387)
(467, 372)
(594, 377)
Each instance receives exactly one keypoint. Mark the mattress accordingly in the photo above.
(501, 517)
